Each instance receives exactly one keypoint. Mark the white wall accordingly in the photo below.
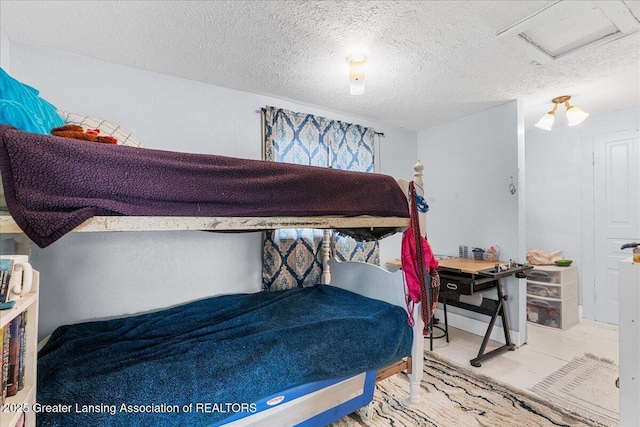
(470, 164)
(559, 166)
(159, 269)
(4, 52)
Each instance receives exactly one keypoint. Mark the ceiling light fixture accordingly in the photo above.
(356, 74)
(575, 115)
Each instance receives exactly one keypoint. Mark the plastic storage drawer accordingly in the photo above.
(542, 290)
(543, 312)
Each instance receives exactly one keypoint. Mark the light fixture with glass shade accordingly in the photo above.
(575, 115)
(546, 122)
(356, 74)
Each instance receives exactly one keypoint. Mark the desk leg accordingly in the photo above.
(500, 311)
(505, 321)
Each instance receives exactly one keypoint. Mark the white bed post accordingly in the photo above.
(418, 168)
(417, 348)
(326, 255)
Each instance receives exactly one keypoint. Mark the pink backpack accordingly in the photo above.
(419, 267)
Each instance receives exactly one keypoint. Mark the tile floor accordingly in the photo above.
(546, 351)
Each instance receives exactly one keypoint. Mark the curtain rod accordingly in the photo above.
(264, 110)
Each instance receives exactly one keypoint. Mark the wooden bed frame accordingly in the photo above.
(365, 279)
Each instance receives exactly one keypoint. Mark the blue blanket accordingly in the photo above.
(157, 369)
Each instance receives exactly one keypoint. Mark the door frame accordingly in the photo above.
(587, 280)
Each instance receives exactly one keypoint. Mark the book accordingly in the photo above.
(5, 361)
(6, 267)
(22, 323)
(14, 351)
(2, 394)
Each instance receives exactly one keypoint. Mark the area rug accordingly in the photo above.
(453, 396)
(585, 385)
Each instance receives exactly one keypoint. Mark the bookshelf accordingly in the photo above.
(12, 409)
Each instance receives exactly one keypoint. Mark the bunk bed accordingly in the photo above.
(348, 331)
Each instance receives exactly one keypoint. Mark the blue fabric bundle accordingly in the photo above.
(22, 108)
(232, 349)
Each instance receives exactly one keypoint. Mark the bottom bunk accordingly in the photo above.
(219, 359)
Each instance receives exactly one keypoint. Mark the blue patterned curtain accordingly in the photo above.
(292, 258)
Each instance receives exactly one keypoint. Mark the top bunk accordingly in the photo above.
(56, 185)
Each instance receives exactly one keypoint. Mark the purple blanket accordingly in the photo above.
(54, 184)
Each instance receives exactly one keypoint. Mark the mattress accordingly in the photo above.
(226, 350)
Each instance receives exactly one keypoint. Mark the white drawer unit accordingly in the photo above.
(552, 296)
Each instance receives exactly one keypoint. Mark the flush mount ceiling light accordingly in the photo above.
(356, 74)
(575, 115)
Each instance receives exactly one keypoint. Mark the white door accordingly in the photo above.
(616, 194)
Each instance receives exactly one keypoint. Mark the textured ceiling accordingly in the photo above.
(428, 62)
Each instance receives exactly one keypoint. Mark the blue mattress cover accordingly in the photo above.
(226, 351)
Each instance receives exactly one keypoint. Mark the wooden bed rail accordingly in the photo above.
(174, 223)
(395, 368)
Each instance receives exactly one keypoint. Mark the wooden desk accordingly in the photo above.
(462, 276)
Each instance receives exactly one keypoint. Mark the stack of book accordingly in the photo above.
(12, 356)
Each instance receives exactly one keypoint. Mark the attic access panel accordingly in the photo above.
(565, 27)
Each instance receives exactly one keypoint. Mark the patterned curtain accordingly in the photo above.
(292, 258)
